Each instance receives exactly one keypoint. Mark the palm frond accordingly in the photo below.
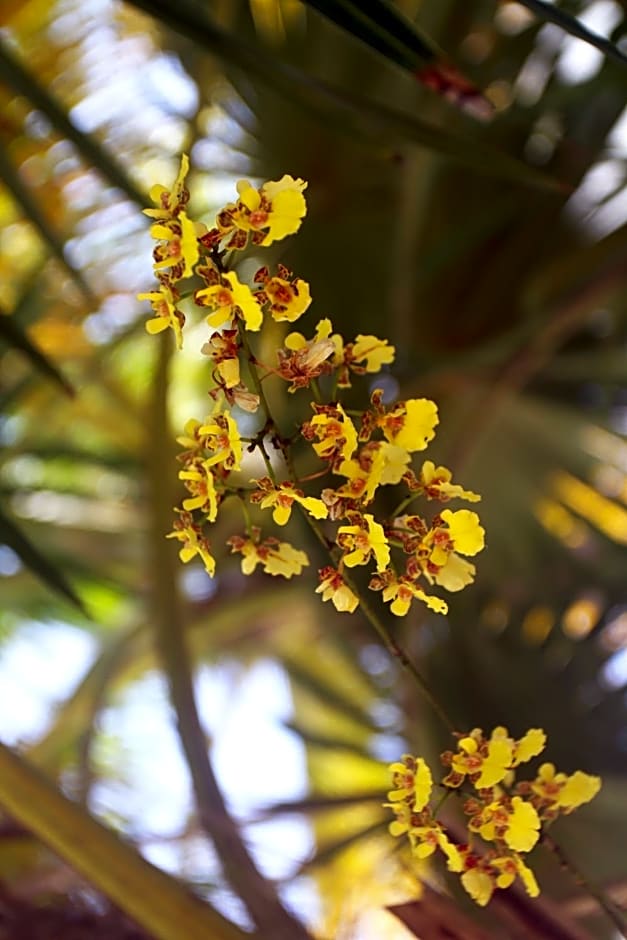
(351, 112)
(23, 82)
(155, 900)
(30, 555)
(13, 336)
(33, 212)
(553, 14)
(381, 26)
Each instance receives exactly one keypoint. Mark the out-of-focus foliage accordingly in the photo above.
(492, 254)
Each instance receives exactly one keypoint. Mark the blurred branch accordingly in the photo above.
(435, 916)
(572, 25)
(256, 892)
(530, 358)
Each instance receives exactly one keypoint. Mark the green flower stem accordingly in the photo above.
(247, 520)
(438, 806)
(404, 503)
(399, 653)
(270, 422)
(604, 903)
(254, 374)
(334, 395)
(388, 640)
(266, 459)
(315, 388)
(395, 543)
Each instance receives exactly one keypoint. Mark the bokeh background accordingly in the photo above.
(491, 253)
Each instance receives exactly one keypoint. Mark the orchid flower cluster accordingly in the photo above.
(349, 456)
(507, 815)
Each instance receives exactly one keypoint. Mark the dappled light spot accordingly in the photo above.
(614, 634)
(9, 562)
(582, 616)
(614, 672)
(495, 615)
(511, 18)
(606, 446)
(610, 481)
(500, 94)
(537, 625)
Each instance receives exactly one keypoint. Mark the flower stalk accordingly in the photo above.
(356, 453)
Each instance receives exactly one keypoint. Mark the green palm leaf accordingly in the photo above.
(31, 209)
(13, 336)
(18, 77)
(382, 27)
(152, 897)
(35, 561)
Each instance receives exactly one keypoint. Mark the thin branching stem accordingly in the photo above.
(400, 654)
(254, 374)
(373, 618)
(604, 903)
(384, 633)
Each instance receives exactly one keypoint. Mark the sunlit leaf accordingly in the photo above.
(152, 897)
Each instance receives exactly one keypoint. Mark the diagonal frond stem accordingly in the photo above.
(14, 336)
(18, 77)
(376, 25)
(575, 27)
(30, 556)
(32, 211)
